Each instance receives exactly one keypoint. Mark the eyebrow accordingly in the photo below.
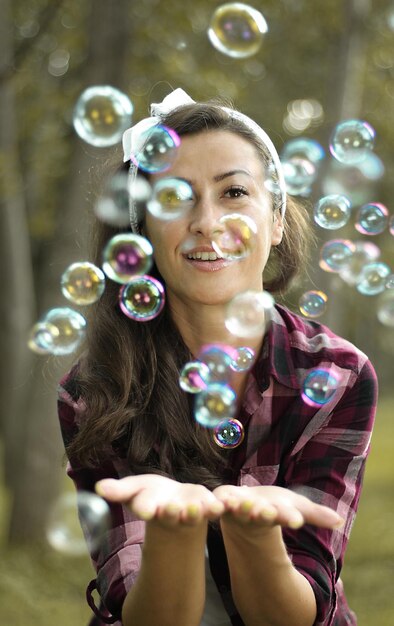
(220, 177)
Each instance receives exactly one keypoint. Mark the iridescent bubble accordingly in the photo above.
(332, 211)
(219, 359)
(229, 433)
(319, 386)
(352, 141)
(42, 337)
(71, 327)
(83, 283)
(155, 149)
(385, 308)
(303, 148)
(336, 254)
(171, 198)
(249, 313)
(194, 377)
(213, 404)
(372, 218)
(373, 278)
(78, 521)
(313, 303)
(243, 360)
(238, 238)
(127, 255)
(237, 30)
(391, 225)
(365, 252)
(101, 115)
(300, 174)
(142, 298)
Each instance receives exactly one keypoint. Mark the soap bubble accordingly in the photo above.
(365, 252)
(237, 30)
(249, 313)
(214, 404)
(390, 282)
(373, 278)
(243, 360)
(127, 255)
(372, 218)
(229, 433)
(299, 175)
(336, 254)
(155, 149)
(113, 206)
(332, 211)
(194, 377)
(83, 283)
(101, 115)
(171, 198)
(304, 148)
(71, 327)
(219, 360)
(238, 238)
(319, 386)
(78, 521)
(385, 308)
(352, 141)
(42, 337)
(142, 298)
(313, 303)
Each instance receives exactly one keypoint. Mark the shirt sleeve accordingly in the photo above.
(329, 470)
(117, 559)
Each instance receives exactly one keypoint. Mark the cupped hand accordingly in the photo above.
(155, 497)
(266, 506)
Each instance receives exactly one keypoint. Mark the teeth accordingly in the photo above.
(203, 256)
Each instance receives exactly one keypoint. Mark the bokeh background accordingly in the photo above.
(320, 63)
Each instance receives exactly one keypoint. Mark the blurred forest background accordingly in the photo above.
(336, 55)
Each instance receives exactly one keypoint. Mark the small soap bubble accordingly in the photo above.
(213, 404)
(299, 174)
(77, 522)
(373, 278)
(332, 212)
(142, 298)
(249, 313)
(127, 255)
(319, 386)
(336, 254)
(238, 237)
(101, 115)
(194, 377)
(83, 283)
(155, 149)
(113, 206)
(219, 360)
(385, 308)
(229, 433)
(352, 141)
(391, 225)
(365, 252)
(372, 218)
(171, 198)
(303, 148)
(237, 30)
(313, 303)
(42, 338)
(243, 359)
(71, 328)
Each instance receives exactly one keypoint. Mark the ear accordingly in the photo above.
(277, 228)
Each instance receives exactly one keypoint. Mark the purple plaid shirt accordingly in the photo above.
(319, 452)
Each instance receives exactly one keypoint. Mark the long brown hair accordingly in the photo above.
(128, 373)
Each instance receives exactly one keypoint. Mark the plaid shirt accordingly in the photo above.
(318, 452)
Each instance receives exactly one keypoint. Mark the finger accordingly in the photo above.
(146, 504)
(323, 516)
(192, 513)
(118, 490)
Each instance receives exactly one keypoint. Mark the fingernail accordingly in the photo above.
(339, 523)
(296, 521)
(216, 508)
(145, 515)
(172, 508)
(268, 513)
(103, 487)
(246, 506)
(193, 510)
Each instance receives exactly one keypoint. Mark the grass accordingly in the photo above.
(40, 587)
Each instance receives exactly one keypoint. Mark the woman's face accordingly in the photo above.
(227, 176)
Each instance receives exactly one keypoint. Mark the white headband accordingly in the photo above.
(174, 100)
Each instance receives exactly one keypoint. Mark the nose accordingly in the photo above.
(205, 218)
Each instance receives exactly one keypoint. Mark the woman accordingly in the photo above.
(252, 535)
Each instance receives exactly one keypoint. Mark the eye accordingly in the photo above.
(236, 191)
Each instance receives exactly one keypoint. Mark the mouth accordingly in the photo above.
(203, 256)
(205, 260)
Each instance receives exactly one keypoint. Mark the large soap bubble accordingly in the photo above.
(171, 198)
(238, 237)
(249, 313)
(332, 212)
(336, 254)
(304, 148)
(299, 174)
(364, 252)
(71, 328)
(319, 386)
(83, 283)
(213, 404)
(142, 298)
(313, 303)
(219, 360)
(229, 433)
(372, 218)
(352, 141)
(194, 377)
(101, 115)
(243, 359)
(42, 338)
(237, 30)
(373, 278)
(155, 149)
(127, 255)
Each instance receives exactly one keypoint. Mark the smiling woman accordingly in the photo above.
(236, 511)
